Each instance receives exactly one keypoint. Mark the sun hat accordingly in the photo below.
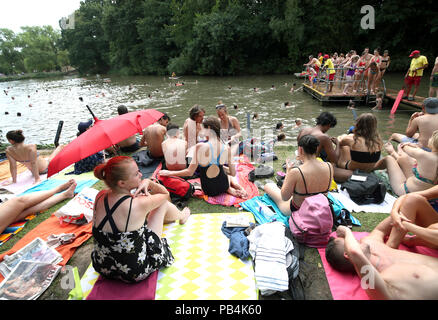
(84, 125)
(431, 105)
(414, 53)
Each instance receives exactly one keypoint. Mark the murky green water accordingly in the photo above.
(39, 122)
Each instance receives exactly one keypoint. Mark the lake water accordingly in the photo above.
(40, 121)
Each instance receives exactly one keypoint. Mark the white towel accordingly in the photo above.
(350, 205)
(268, 247)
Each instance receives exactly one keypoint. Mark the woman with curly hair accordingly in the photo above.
(361, 149)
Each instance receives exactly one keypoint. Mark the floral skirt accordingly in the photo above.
(129, 256)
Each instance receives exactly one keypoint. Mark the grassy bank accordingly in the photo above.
(313, 275)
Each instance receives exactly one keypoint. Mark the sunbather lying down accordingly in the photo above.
(385, 271)
(18, 208)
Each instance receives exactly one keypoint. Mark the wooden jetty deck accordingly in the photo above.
(391, 95)
(336, 95)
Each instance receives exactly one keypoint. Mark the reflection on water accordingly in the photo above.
(58, 99)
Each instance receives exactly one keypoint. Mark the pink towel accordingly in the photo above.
(347, 286)
(243, 168)
(106, 289)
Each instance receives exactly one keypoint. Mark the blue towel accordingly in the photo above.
(252, 206)
(52, 183)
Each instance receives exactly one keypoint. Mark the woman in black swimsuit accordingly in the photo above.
(361, 149)
(127, 227)
(310, 178)
(210, 158)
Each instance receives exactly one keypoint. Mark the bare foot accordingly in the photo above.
(70, 192)
(242, 194)
(66, 185)
(389, 148)
(186, 214)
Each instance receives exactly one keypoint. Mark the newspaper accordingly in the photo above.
(37, 251)
(237, 221)
(28, 280)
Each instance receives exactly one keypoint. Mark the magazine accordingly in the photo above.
(237, 221)
(28, 280)
(37, 250)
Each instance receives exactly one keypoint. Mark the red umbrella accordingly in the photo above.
(103, 134)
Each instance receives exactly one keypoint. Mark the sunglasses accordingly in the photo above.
(220, 106)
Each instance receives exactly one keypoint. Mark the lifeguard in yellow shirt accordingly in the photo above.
(414, 74)
(328, 65)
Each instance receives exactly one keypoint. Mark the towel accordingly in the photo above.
(108, 289)
(350, 205)
(5, 172)
(243, 168)
(14, 229)
(52, 226)
(347, 286)
(253, 206)
(25, 180)
(269, 247)
(52, 183)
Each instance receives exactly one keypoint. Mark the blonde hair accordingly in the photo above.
(434, 139)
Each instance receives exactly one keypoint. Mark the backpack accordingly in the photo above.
(262, 171)
(179, 189)
(312, 223)
(372, 190)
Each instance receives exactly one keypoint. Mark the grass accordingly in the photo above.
(315, 282)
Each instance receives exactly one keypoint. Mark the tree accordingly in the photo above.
(86, 43)
(11, 60)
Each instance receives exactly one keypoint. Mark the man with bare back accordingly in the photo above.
(385, 271)
(153, 136)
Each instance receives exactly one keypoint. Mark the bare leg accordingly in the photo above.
(341, 174)
(390, 149)
(395, 174)
(397, 137)
(275, 193)
(18, 208)
(173, 213)
(417, 209)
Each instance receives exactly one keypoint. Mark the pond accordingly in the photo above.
(43, 103)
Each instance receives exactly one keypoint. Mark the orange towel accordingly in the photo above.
(4, 169)
(52, 226)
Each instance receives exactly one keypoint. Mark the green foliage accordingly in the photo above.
(230, 37)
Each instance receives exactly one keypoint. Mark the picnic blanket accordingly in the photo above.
(5, 173)
(203, 268)
(350, 205)
(243, 168)
(51, 226)
(344, 286)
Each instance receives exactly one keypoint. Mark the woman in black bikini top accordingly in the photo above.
(360, 150)
(313, 176)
